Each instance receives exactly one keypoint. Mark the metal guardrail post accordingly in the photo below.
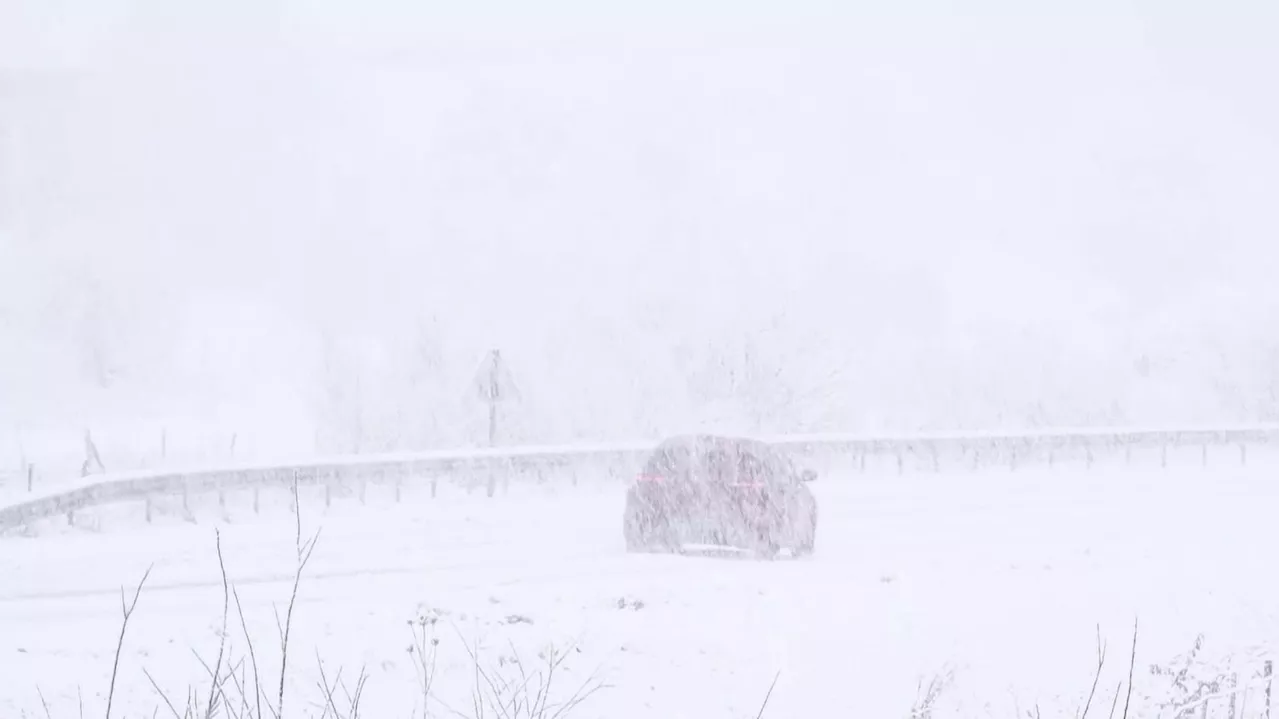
(1266, 692)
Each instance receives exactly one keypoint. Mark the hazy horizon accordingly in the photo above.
(308, 226)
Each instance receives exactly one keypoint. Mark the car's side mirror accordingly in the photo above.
(808, 475)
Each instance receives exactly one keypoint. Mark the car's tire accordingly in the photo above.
(804, 547)
(766, 543)
(633, 534)
(641, 536)
(770, 550)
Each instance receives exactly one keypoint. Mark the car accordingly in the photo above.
(722, 491)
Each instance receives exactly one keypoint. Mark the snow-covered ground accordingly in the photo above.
(999, 577)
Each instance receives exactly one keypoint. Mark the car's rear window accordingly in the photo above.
(760, 465)
(717, 462)
(671, 461)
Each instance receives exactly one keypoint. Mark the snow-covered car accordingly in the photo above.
(720, 491)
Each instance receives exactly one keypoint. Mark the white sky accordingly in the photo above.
(961, 210)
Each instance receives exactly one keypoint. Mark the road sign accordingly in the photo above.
(493, 385)
(493, 382)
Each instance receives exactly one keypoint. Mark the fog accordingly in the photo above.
(307, 222)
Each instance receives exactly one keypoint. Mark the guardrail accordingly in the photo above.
(397, 468)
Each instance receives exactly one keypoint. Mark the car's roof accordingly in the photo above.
(696, 440)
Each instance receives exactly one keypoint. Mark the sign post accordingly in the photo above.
(91, 457)
(493, 384)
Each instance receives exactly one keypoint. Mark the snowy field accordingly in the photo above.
(996, 578)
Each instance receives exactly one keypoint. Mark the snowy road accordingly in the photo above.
(1001, 575)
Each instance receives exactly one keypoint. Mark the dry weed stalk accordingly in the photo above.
(1133, 655)
(528, 696)
(304, 551)
(768, 694)
(223, 683)
(923, 706)
(1097, 674)
(127, 609)
(423, 651)
(494, 693)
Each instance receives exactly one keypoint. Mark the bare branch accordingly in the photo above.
(768, 694)
(222, 635)
(218, 688)
(328, 690)
(253, 659)
(590, 686)
(304, 556)
(165, 697)
(353, 701)
(44, 703)
(124, 624)
(1102, 657)
(1133, 654)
